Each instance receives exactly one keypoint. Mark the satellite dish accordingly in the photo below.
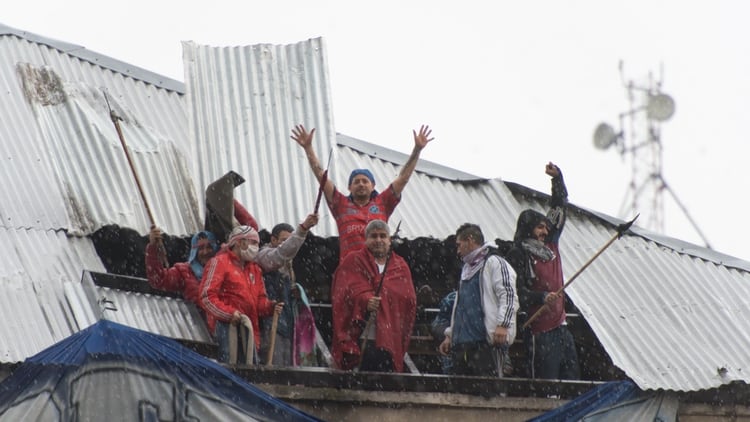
(604, 136)
(660, 107)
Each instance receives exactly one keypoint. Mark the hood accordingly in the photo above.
(526, 223)
(194, 244)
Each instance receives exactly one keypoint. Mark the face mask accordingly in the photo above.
(249, 253)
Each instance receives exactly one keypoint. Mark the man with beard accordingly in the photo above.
(535, 255)
(355, 295)
(232, 290)
(364, 203)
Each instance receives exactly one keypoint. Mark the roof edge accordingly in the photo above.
(99, 59)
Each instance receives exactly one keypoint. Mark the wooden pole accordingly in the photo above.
(272, 343)
(116, 121)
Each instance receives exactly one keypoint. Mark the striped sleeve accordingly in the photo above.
(504, 283)
(210, 287)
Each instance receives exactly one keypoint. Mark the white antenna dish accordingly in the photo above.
(604, 136)
(660, 107)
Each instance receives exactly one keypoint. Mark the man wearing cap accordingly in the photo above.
(364, 203)
(232, 287)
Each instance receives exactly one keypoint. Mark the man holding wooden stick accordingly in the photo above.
(535, 256)
(373, 280)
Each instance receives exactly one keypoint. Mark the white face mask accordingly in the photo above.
(249, 254)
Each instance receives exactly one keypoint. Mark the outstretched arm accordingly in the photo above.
(558, 202)
(304, 139)
(421, 140)
(271, 259)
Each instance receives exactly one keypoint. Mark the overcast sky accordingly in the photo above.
(505, 85)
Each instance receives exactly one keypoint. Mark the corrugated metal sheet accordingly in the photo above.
(243, 104)
(669, 320)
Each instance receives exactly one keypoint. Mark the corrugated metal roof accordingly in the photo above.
(670, 314)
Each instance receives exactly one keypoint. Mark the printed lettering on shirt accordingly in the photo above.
(355, 229)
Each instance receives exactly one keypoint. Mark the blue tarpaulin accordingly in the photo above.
(615, 401)
(117, 373)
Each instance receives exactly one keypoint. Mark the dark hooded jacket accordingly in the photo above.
(536, 276)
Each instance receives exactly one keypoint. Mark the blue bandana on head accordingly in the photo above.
(368, 174)
(194, 264)
(357, 172)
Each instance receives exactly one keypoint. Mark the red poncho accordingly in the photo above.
(354, 283)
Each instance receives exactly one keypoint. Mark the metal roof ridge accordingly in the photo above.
(98, 59)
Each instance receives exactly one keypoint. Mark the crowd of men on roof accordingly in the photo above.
(258, 313)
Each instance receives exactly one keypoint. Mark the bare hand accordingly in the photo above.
(154, 235)
(302, 137)
(445, 346)
(310, 221)
(422, 138)
(373, 304)
(500, 336)
(278, 307)
(551, 298)
(552, 170)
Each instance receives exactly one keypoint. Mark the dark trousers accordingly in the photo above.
(376, 359)
(475, 359)
(552, 354)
